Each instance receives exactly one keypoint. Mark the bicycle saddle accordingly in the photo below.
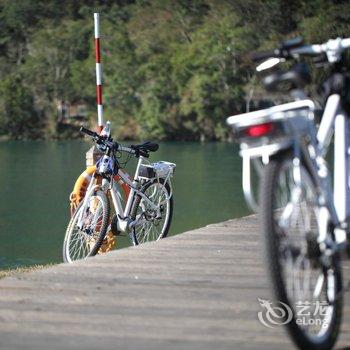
(143, 148)
(296, 77)
(148, 146)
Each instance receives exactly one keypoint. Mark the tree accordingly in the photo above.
(172, 69)
(18, 117)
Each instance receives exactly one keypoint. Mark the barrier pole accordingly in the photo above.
(100, 120)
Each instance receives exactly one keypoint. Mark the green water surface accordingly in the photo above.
(37, 178)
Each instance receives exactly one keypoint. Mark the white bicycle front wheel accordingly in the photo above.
(82, 242)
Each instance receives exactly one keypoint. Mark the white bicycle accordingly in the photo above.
(148, 210)
(304, 219)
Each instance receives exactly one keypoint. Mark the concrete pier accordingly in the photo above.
(196, 290)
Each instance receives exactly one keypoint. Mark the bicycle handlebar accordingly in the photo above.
(101, 140)
(263, 55)
(332, 48)
(139, 150)
(88, 132)
(126, 149)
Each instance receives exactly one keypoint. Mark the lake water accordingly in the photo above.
(37, 178)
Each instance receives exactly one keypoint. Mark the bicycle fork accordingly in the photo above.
(91, 188)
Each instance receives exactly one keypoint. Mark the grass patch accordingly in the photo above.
(18, 270)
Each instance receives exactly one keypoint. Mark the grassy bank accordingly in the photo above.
(19, 270)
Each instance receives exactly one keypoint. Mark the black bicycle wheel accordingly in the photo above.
(80, 243)
(153, 223)
(290, 219)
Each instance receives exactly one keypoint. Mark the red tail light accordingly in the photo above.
(259, 130)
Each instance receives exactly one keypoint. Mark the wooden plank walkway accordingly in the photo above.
(197, 290)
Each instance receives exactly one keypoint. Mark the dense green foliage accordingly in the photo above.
(172, 69)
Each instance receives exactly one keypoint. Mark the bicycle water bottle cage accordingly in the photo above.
(295, 78)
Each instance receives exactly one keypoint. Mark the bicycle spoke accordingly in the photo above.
(154, 221)
(82, 241)
(296, 215)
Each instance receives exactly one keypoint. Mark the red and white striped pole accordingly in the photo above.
(100, 120)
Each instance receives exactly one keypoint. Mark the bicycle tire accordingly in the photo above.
(271, 239)
(134, 234)
(96, 244)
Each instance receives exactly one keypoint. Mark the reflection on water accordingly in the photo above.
(37, 178)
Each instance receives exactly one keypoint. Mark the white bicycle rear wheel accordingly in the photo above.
(153, 224)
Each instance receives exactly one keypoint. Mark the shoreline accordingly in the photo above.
(24, 269)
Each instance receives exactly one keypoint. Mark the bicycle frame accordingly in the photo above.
(124, 221)
(335, 121)
(134, 191)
